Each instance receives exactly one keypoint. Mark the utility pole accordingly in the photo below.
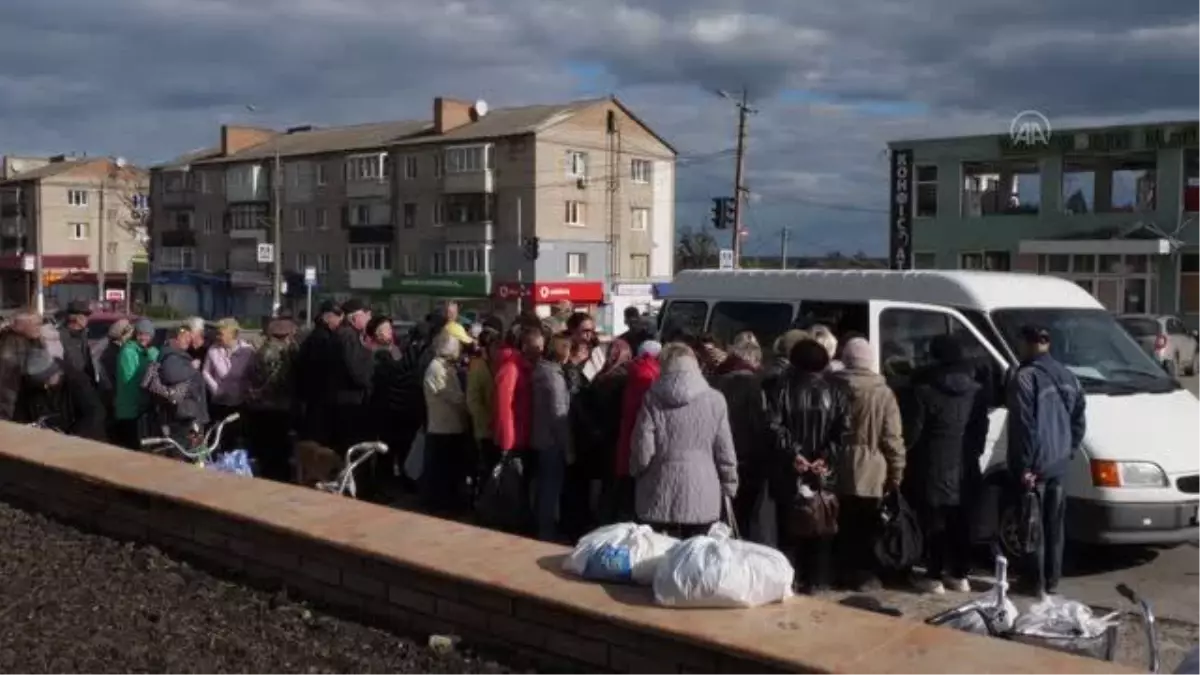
(100, 238)
(277, 236)
(739, 186)
(783, 246)
(520, 263)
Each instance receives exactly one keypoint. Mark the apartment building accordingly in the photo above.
(84, 216)
(411, 213)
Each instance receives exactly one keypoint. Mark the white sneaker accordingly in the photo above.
(930, 586)
(956, 585)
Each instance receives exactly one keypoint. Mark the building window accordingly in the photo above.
(183, 220)
(640, 220)
(209, 227)
(320, 171)
(323, 263)
(924, 261)
(366, 167)
(410, 215)
(78, 231)
(247, 217)
(176, 258)
(576, 212)
(204, 264)
(577, 164)
(466, 259)
(139, 203)
(77, 197)
(925, 205)
(437, 263)
(1189, 283)
(202, 182)
(369, 258)
(1001, 188)
(301, 261)
(439, 165)
(639, 170)
(293, 173)
(1123, 284)
(360, 214)
(439, 212)
(468, 159)
(298, 219)
(410, 167)
(1131, 181)
(992, 261)
(576, 264)
(639, 266)
(322, 219)
(410, 265)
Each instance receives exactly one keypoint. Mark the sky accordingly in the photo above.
(832, 82)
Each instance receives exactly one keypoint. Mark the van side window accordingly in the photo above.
(767, 320)
(904, 337)
(683, 315)
(845, 319)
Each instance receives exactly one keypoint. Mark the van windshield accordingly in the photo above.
(1091, 344)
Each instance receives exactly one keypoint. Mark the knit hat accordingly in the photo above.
(651, 347)
(144, 327)
(858, 354)
(785, 342)
(119, 329)
(40, 366)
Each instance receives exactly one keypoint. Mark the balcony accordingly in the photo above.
(372, 234)
(481, 181)
(468, 210)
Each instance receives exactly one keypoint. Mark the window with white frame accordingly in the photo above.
(247, 217)
(202, 182)
(640, 220)
(359, 214)
(409, 212)
(176, 258)
(992, 261)
(466, 259)
(301, 261)
(439, 212)
(77, 197)
(468, 158)
(410, 265)
(111, 248)
(577, 164)
(298, 219)
(322, 218)
(373, 258)
(323, 263)
(439, 165)
(78, 231)
(366, 167)
(410, 167)
(576, 213)
(639, 265)
(576, 264)
(437, 263)
(926, 182)
(639, 170)
(209, 226)
(204, 264)
(320, 173)
(1124, 284)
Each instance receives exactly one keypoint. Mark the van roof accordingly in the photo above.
(970, 289)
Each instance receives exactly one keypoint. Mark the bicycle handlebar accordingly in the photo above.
(212, 439)
(207, 446)
(1147, 620)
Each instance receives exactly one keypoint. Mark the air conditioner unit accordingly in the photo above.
(581, 182)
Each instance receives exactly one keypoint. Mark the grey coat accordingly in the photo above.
(175, 367)
(549, 428)
(682, 450)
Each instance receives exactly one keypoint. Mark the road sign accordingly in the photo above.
(726, 258)
(114, 294)
(266, 253)
(310, 276)
(28, 263)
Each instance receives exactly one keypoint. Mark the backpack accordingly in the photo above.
(271, 373)
(161, 393)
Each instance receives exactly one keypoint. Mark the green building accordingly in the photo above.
(1113, 209)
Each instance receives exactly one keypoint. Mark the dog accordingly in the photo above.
(314, 463)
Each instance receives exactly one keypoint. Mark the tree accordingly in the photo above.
(696, 250)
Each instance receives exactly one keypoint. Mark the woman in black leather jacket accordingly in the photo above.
(810, 416)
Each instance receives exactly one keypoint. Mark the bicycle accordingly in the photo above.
(344, 484)
(204, 452)
(996, 616)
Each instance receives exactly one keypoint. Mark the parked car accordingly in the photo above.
(1166, 339)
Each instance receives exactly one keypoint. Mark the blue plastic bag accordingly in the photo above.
(236, 462)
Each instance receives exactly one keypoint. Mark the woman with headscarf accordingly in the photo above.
(379, 336)
(271, 399)
(739, 378)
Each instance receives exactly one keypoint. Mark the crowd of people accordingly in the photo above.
(663, 429)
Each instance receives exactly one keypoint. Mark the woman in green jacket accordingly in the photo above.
(131, 402)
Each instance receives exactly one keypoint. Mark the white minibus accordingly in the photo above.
(1135, 480)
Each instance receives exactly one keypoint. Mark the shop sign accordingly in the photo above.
(581, 292)
(900, 229)
(466, 286)
(633, 289)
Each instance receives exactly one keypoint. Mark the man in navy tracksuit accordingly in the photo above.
(1045, 427)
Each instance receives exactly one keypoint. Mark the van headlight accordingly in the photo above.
(1127, 474)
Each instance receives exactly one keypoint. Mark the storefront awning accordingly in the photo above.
(1095, 246)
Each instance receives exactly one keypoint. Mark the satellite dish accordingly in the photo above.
(481, 108)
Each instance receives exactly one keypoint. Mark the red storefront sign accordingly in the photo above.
(49, 262)
(579, 292)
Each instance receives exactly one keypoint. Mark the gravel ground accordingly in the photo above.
(77, 602)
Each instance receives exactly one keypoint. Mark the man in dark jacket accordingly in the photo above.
(311, 376)
(1045, 428)
(73, 335)
(351, 365)
(740, 379)
(175, 368)
(16, 340)
(945, 426)
(59, 391)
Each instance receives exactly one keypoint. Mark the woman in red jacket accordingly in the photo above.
(643, 372)
(512, 398)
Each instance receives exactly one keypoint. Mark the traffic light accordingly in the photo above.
(532, 244)
(730, 212)
(720, 213)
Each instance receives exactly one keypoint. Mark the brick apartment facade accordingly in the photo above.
(89, 216)
(412, 213)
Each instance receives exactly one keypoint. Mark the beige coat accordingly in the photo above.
(444, 400)
(875, 447)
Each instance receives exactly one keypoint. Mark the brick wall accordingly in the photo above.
(416, 574)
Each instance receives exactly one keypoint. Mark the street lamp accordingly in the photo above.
(111, 174)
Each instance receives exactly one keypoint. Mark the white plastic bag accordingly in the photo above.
(1056, 617)
(717, 571)
(414, 463)
(624, 552)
